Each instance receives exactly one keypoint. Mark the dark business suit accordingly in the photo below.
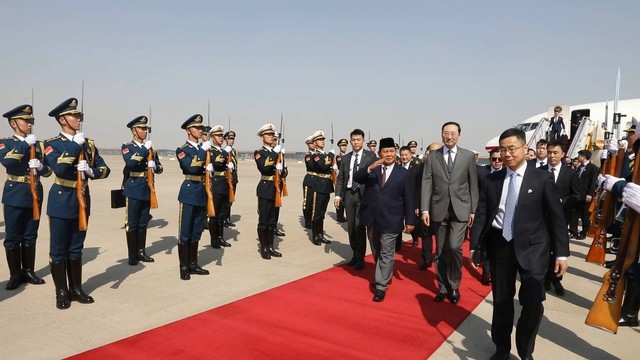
(588, 176)
(450, 197)
(478, 224)
(538, 225)
(384, 211)
(556, 127)
(351, 201)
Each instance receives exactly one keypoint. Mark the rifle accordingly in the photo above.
(605, 214)
(607, 306)
(33, 185)
(277, 179)
(597, 201)
(285, 192)
(229, 174)
(334, 177)
(81, 183)
(153, 197)
(211, 210)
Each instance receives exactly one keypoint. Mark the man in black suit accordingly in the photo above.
(386, 209)
(571, 193)
(476, 229)
(588, 176)
(413, 164)
(522, 220)
(557, 124)
(349, 194)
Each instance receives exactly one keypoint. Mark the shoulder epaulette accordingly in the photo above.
(54, 138)
(184, 146)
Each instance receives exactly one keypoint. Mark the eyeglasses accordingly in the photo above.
(452, 134)
(511, 151)
(495, 159)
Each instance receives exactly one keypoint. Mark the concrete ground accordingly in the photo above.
(132, 299)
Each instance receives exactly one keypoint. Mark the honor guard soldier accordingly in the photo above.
(413, 147)
(230, 138)
(192, 196)
(72, 157)
(372, 145)
(139, 156)
(307, 183)
(266, 158)
(219, 186)
(323, 187)
(22, 156)
(342, 145)
(278, 149)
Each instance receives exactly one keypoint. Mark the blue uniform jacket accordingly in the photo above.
(14, 156)
(219, 180)
(322, 164)
(191, 161)
(62, 155)
(135, 163)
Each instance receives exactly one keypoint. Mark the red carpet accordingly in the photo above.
(326, 315)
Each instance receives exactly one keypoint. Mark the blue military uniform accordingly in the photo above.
(20, 225)
(340, 210)
(307, 187)
(220, 189)
(137, 192)
(67, 240)
(266, 159)
(322, 165)
(231, 135)
(193, 202)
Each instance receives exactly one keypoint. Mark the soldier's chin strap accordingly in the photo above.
(18, 130)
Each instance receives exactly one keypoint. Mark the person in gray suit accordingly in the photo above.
(349, 194)
(449, 201)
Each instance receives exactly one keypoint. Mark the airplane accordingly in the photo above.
(591, 136)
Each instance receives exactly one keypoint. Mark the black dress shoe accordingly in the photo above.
(341, 220)
(486, 278)
(440, 297)
(424, 266)
(609, 264)
(559, 289)
(500, 356)
(628, 321)
(228, 223)
(580, 236)
(379, 296)
(352, 262)
(359, 265)
(454, 296)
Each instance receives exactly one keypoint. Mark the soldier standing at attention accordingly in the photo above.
(323, 187)
(20, 226)
(63, 154)
(136, 189)
(192, 197)
(220, 187)
(266, 159)
(230, 138)
(342, 145)
(372, 145)
(307, 184)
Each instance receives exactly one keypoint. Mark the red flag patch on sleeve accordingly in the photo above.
(308, 158)
(257, 156)
(1, 146)
(125, 151)
(181, 155)
(48, 150)
(316, 158)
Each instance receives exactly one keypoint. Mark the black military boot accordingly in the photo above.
(306, 214)
(141, 244)
(320, 231)
(264, 248)
(194, 268)
(631, 305)
(183, 257)
(270, 234)
(74, 271)
(223, 242)
(213, 232)
(15, 268)
(131, 247)
(28, 262)
(314, 233)
(59, 275)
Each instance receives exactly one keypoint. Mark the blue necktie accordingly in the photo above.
(510, 207)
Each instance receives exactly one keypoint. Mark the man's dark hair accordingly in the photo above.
(585, 153)
(494, 151)
(542, 142)
(452, 123)
(519, 134)
(356, 132)
(405, 148)
(555, 143)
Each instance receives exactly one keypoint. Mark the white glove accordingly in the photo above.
(600, 180)
(612, 146)
(277, 148)
(151, 164)
(282, 151)
(230, 166)
(279, 166)
(35, 164)
(421, 156)
(228, 149)
(31, 139)
(335, 166)
(83, 166)
(209, 168)
(631, 196)
(79, 138)
(148, 144)
(609, 181)
(206, 145)
(333, 151)
(624, 144)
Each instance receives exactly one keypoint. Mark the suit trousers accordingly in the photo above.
(383, 247)
(504, 267)
(356, 231)
(450, 234)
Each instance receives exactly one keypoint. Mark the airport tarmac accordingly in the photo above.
(132, 299)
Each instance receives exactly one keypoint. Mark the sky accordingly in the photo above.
(391, 68)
